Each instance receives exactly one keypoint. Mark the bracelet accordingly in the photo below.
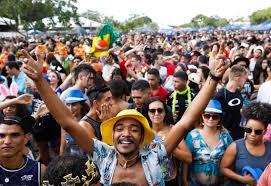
(215, 78)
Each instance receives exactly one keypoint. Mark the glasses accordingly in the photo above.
(256, 131)
(213, 116)
(159, 110)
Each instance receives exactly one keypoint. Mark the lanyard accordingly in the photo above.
(187, 90)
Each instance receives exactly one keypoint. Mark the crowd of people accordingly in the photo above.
(154, 109)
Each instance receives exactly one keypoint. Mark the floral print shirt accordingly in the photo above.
(152, 157)
(205, 159)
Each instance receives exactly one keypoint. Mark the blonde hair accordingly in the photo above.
(237, 71)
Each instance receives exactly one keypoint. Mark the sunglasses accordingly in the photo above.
(256, 131)
(213, 116)
(159, 110)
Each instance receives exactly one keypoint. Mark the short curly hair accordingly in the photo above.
(62, 166)
(258, 111)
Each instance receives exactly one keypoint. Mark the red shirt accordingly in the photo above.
(123, 68)
(170, 68)
(161, 92)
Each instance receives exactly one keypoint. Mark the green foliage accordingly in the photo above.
(29, 13)
(202, 20)
(134, 21)
(260, 16)
(137, 21)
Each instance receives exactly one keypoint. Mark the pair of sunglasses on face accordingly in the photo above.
(256, 131)
(213, 116)
(159, 110)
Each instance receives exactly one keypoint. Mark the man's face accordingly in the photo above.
(107, 100)
(241, 80)
(183, 59)
(127, 136)
(62, 56)
(109, 59)
(12, 140)
(87, 79)
(140, 97)
(243, 64)
(242, 52)
(134, 62)
(179, 84)
(153, 80)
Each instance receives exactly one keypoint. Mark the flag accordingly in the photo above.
(104, 40)
(108, 34)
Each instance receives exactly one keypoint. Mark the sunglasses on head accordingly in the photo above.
(159, 110)
(213, 116)
(256, 131)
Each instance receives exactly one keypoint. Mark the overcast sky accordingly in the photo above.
(173, 12)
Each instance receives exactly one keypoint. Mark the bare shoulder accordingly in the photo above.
(88, 128)
(42, 170)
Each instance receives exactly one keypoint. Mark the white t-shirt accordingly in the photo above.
(264, 94)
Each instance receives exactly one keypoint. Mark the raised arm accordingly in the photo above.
(22, 99)
(60, 112)
(194, 111)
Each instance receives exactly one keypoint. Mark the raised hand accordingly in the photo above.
(220, 63)
(105, 112)
(25, 99)
(32, 68)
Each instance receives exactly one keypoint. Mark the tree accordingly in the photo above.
(137, 21)
(260, 16)
(29, 13)
(202, 20)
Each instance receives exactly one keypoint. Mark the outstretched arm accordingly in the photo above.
(60, 112)
(22, 99)
(194, 111)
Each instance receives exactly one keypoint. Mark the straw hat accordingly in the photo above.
(108, 126)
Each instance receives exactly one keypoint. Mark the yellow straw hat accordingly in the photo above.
(108, 126)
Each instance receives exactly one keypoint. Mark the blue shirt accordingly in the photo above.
(205, 159)
(20, 81)
(152, 157)
(29, 174)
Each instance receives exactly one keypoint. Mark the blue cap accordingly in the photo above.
(214, 106)
(74, 96)
(254, 172)
(2, 78)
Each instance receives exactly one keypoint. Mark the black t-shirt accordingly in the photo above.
(231, 103)
(180, 106)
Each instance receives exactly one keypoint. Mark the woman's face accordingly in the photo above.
(75, 109)
(53, 78)
(156, 112)
(254, 131)
(10, 110)
(211, 119)
(264, 64)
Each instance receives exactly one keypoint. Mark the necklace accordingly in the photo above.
(7, 179)
(127, 161)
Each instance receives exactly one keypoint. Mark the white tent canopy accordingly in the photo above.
(6, 21)
(84, 22)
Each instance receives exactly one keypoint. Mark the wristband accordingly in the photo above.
(215, 78)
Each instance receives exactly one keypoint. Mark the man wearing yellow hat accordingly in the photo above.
(125, 155)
